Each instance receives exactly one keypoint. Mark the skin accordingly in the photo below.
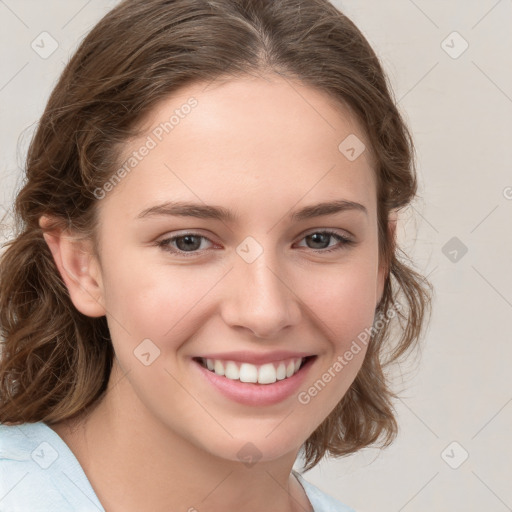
(263, 147)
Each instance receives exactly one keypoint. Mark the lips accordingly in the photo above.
(255, 393)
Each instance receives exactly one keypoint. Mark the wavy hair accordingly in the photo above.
(55, 361)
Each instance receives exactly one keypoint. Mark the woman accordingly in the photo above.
(205, 279)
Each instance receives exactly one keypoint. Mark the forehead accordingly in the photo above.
(250, 139)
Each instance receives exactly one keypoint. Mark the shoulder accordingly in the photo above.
(38, 472)
(321, 501)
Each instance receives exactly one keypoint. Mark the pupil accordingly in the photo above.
(316, 236)
(188, 245)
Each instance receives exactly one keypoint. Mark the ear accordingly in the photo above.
(383, 267)
(77, 265)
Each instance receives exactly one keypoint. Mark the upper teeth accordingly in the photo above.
(246, 372)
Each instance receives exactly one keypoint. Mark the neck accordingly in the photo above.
(134, 462)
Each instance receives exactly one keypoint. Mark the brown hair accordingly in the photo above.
(56, 361)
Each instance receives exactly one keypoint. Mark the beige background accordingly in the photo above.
(459, 106)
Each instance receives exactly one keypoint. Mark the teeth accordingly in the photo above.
(281, 371)
(231, 371)
(218, 368)
(267, 374)
(246, 372)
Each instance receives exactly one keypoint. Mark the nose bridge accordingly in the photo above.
(259, 298)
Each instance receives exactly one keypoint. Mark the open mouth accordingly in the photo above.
(268, 373)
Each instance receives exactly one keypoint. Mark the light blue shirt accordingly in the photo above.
(39, 473)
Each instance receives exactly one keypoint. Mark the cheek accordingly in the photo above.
(343, 299)
(344, 307)
(163, 302)
(154, 301)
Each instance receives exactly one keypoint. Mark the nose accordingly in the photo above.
(260, 297)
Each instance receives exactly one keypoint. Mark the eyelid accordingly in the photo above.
(172, 235)
(334, 231)
(180, 234)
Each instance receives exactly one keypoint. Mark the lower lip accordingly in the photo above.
(249, 393)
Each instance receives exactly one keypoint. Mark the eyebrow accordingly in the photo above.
(202, 211)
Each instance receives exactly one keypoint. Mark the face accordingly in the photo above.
(217, 257)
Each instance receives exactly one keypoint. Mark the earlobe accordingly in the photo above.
(77, 266)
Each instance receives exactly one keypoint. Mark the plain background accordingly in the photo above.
(458, 103)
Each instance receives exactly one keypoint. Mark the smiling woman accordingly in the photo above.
(177, 311)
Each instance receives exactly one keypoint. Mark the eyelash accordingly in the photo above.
(165, 244)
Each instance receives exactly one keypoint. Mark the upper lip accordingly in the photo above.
(256, 357)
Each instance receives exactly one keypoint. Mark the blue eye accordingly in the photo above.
(190, 244)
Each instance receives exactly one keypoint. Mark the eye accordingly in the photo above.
(191, 244)
(321, 238)
(184, 243)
